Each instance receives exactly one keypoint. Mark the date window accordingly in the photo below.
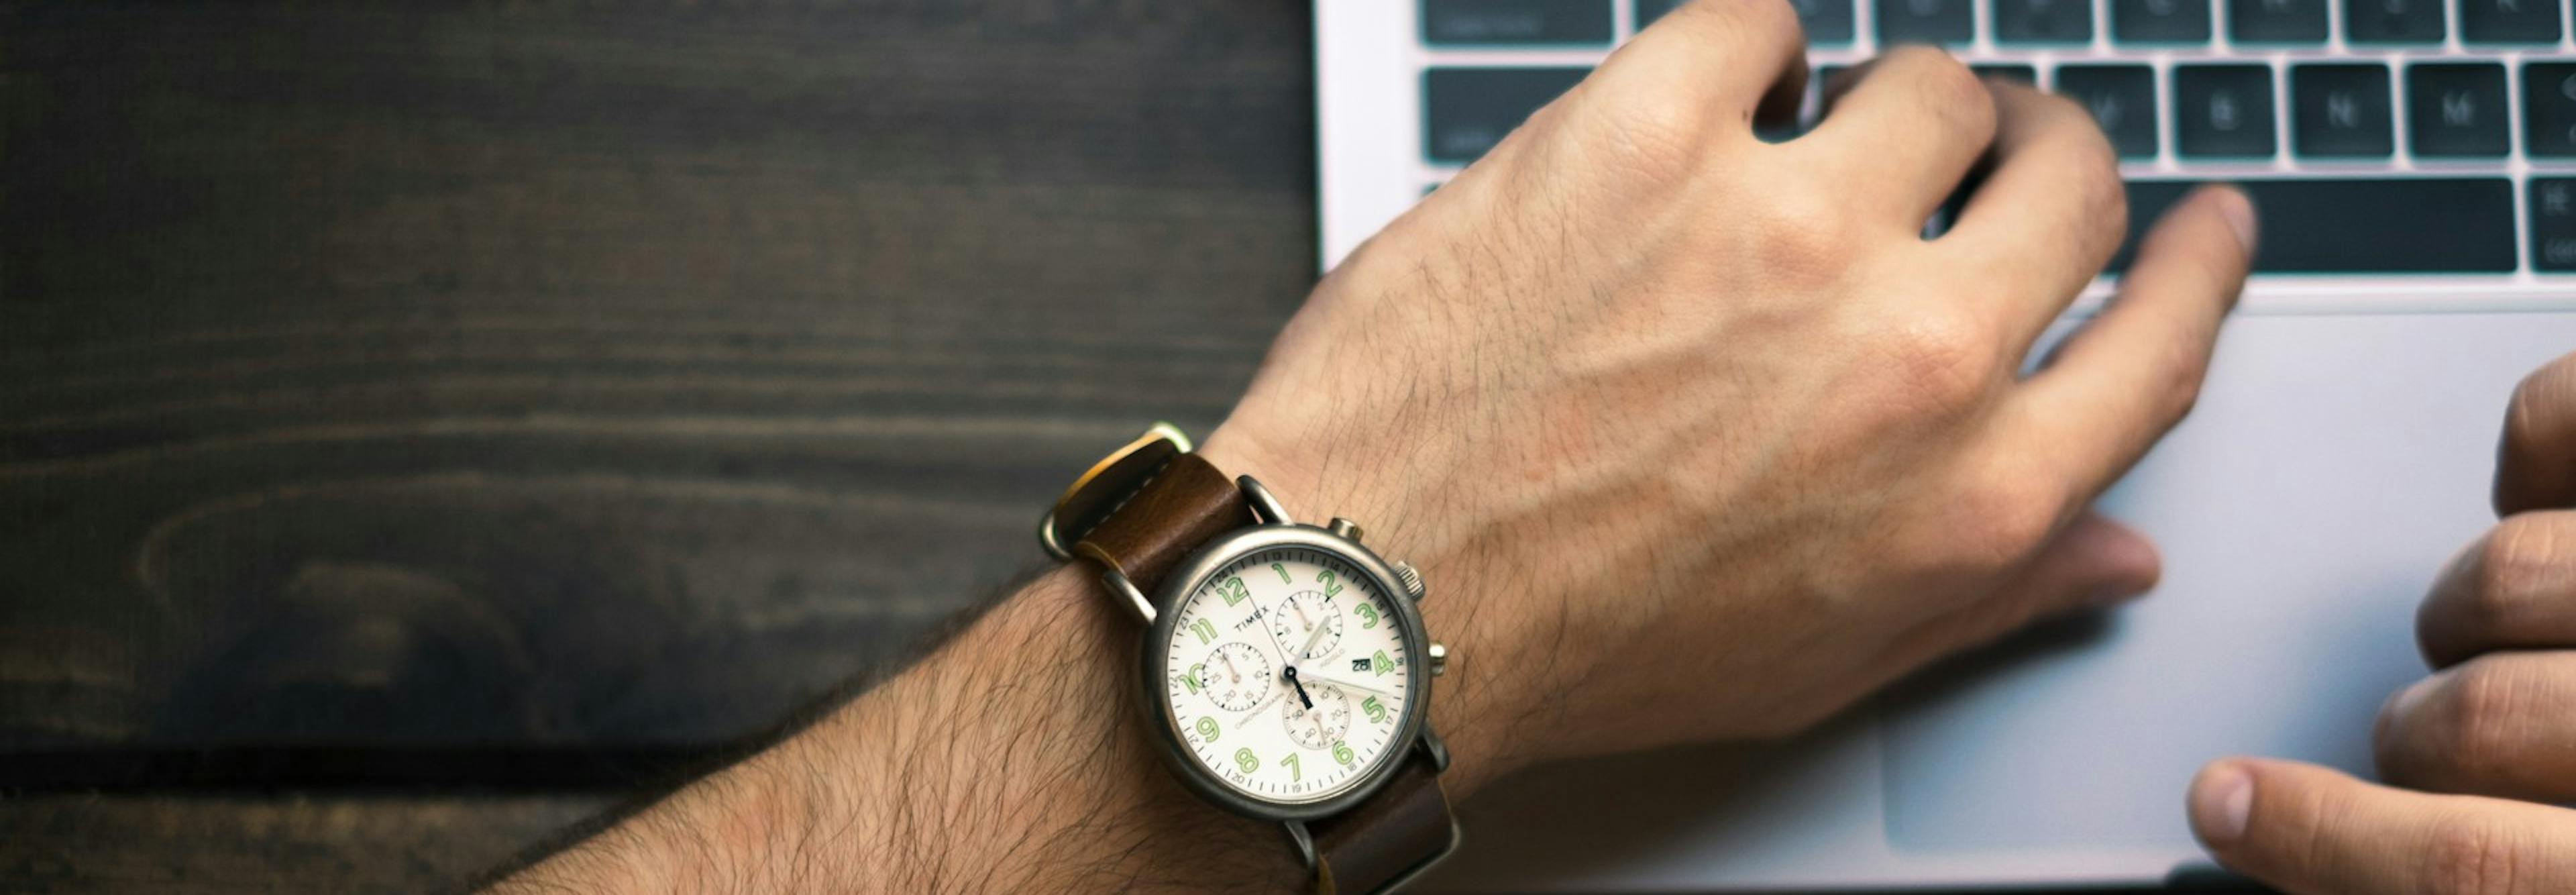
(1359, 664)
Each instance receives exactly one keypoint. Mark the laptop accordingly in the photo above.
(2414, 166)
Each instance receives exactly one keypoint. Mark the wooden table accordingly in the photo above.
(421, 428)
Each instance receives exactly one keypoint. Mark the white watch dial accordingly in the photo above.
(1287, 674)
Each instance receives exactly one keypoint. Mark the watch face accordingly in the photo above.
(1287, 674)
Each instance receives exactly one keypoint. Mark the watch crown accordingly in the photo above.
(1412, 581)
(1439, 659)
(1344, 528)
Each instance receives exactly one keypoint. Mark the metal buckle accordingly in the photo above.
(1107, 485)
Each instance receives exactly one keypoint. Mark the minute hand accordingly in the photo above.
(1320, 679)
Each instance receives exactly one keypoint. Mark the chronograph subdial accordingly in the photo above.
(1236, 676)
(1308, 620)
(1319, 727)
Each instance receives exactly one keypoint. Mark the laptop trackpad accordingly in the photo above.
(2334, 463)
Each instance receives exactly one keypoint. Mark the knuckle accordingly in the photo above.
(1650, 130)
(1803, 239)
(2484, 718)
(2104, 200)
(1948, 89)
(1940, 364)
(2471, 856)
(1770, 20)
(2538, 400)
(2177, 378)
(2517, 561)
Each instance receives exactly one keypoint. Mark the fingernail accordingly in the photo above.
(2239, 212)
(2221, 802)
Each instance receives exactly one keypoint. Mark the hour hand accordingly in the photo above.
(1291, 674)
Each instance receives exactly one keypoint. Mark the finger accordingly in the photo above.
(2118, 384)
(2536, 459)
(2050, 212)
(2513, 589)
(2503, 724)
(2094, 563)
(1900, 134)
(2313, 831)
(1743, 58)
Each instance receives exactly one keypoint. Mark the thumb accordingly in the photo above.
(2094, 563)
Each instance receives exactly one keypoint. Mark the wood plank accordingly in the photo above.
(263, 844)
(562, 377)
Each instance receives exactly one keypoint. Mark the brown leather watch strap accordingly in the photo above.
(1406, 824)
(1393, 834)
(1185, 505)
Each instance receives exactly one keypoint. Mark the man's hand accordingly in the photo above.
(1695, 435)
(2477, 745)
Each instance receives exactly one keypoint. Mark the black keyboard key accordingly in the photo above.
(1515, 22)
(2043, 21)
(2160, 21)
(2341, 111)
(2456, 109)
(2549, 109)
(2553, 223)
(1925, 21)
(2392, 21)
(2022, 74)
(2509, 21)
(2405, 225)
(2223, 111)
(1465, 111)
(1826, 21)
(2277, 21)
(2122, 99)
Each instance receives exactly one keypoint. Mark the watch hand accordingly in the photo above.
(1343, 683)
(1317, 634)
(1291, 674)
(1284, 657)
(1231, 675)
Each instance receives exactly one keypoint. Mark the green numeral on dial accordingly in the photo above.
(1243, 758)
(1283, 573)
(1368, 615)
(1332, 588)
(1381, 664)
(1376, 711)
(1191, 679)
(1234, 590)
(1294, 774)
(1342, 752)
(1207, 730)
(1205, 631)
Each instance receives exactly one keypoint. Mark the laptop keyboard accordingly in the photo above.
(2376, 136)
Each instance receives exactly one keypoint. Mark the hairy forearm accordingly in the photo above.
(1010, 760)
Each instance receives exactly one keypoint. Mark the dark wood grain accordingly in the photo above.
(555, 374)
(271, 844)
(387, 388)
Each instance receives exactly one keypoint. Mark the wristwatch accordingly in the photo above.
(1285, 669)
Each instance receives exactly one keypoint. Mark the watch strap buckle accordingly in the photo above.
(1107, 485)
